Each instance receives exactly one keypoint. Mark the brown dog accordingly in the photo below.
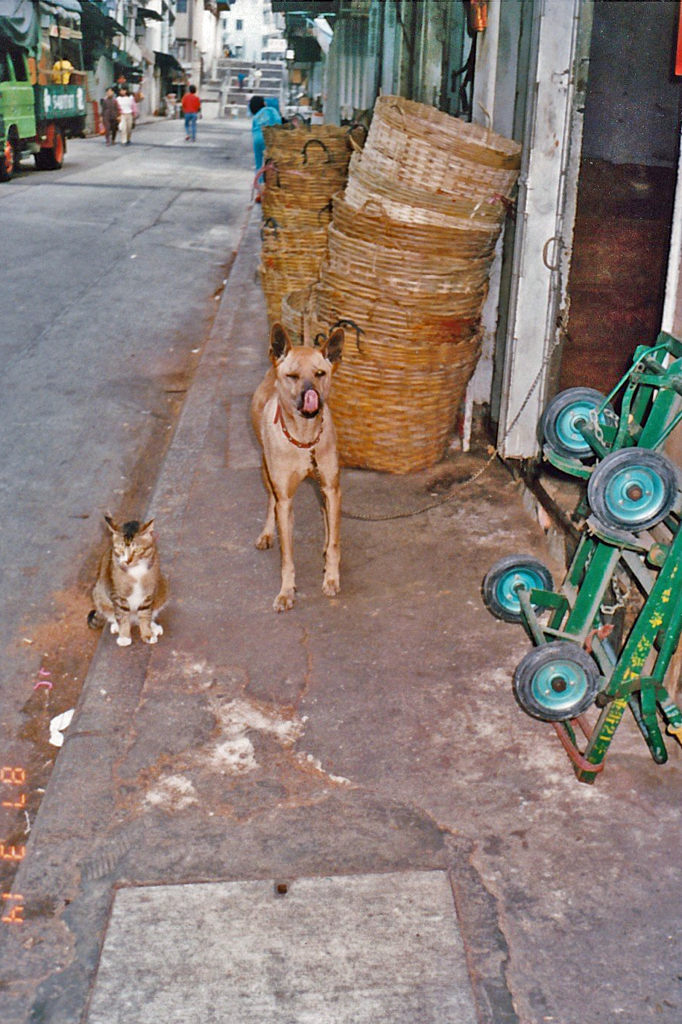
(296, 432)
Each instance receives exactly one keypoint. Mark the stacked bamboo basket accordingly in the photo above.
(407, 268)
(305, 167)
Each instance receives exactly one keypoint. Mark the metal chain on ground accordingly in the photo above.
(596, 426)
(622, 595)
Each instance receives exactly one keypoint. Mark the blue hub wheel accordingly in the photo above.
(503, 581)
(556, 682)
(563, 417)
(632, 489)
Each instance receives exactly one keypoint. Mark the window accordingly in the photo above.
(240, 25)
(181, 6)
(19, 65)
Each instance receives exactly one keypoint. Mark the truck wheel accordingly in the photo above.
(51, 158)
(8, 164)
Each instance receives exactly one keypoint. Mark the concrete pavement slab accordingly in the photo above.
(335, 950)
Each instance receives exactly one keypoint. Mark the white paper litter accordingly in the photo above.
(57, 726)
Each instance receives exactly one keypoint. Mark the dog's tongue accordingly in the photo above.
(311, 402)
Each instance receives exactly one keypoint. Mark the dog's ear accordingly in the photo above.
(280, 344)
(333, 346)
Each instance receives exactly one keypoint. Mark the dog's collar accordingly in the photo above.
(279, 418)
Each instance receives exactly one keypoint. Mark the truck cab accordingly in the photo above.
(17, 105)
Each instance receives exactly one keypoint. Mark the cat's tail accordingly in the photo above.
(95, 619)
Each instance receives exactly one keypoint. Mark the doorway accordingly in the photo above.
(626, 190)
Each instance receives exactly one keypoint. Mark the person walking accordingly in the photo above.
(191, 105)
(256, 75)
(109, 109)
(126, 108)
(241, 78)
(262, 116)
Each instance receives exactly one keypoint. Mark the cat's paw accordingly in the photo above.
(264, 541)
(284, 601)
(151, 639)
(123, 641)
(113, 627)
(331, 586)
(157, 629)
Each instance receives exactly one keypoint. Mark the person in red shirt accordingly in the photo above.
(191, 105)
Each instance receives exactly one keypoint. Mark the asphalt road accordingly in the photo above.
(111, 269)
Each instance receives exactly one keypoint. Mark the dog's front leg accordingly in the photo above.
(285, 526)
(265, 539)
(331, 583)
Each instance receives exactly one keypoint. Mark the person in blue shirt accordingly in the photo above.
(263, 116)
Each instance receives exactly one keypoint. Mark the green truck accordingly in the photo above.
(42, 85)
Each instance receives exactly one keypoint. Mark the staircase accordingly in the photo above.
(235, 103)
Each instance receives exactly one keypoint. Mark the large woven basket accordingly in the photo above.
(412, 206)
(394, 404)
(397, 415)
(309, 165)
(441, 131)
(408, 276)
(312, 146)
(371, 220)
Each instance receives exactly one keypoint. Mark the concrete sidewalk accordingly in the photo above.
(362, 758)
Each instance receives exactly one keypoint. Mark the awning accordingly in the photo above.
(93, 18)
(312, 9)
(73, 6)
(125, 63)
(148, 12)
(18, 22)
(167, 62)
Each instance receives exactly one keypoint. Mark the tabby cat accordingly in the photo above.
(129, 583)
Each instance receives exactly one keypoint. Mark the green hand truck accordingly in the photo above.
(632, 515)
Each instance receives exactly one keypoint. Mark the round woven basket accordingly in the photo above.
(408, 163)
(414, 206)
(438, 130)
(397, 416)
(423, 324)
(311, 146)
(298, 316)
(282, 209)
(394, 404)
(371, 220)
(407, 276)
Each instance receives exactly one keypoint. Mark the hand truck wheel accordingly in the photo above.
(632, 489)
(504, 579)
(565, 414)
(556, 681)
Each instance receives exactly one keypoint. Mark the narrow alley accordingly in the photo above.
(285, 803)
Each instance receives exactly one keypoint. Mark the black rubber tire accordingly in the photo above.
(547, 430)
(494, 579)
(617, 463)
(9, 164)
(526, 684)
(52, 159)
